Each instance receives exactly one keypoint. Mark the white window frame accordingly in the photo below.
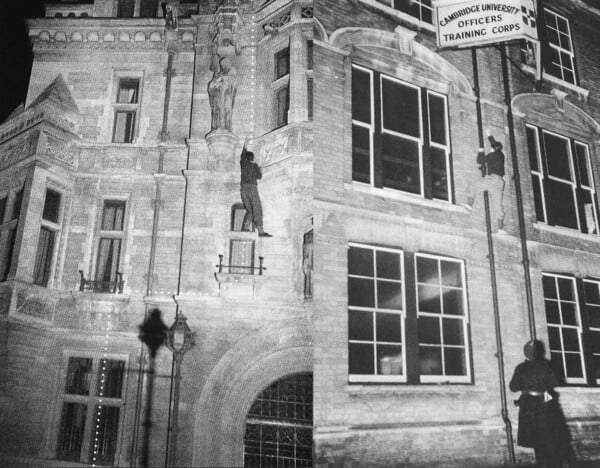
(399, 378)
(559, 49)
(539, 174)
(388, 6)
(91, 401)
(578, 327)
(370, 126)
(593, 329)
(589, 188)
(424, 378)
(445, 147)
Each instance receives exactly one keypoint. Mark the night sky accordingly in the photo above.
(15, 53)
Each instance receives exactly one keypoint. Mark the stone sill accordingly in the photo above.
(563, 231)
(403, 389)
(239, 278)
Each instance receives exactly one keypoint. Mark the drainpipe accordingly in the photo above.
(518, 193)
(157, 205)
(492, 263)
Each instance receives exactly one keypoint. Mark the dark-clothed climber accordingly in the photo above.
(249, 191)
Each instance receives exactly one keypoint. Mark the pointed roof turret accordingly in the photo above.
(57, 93)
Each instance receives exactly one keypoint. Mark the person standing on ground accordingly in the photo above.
(249, 191)
(536, 381)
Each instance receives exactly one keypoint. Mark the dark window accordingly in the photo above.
(282, 63)
(16, 211)
(109, 245)
(148, 8)
(91, 410)
(3, 208)
(279, 425)
(43, 258)
(240, 219)
(406, 327)
(10, 238)
(309, 55)
(420, 9)
(282, 106)
(128, 91)
(51, 206)
(573, 327)
(309, 97)
(126, 107)
(563, 186)
(125, 8)
(399, 136)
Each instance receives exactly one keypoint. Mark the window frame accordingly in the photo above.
(49, 263)
(8, 228)
(391, 5)
(280, 83)
(551, 46)
(126, 108)
(592, 358)
(91, 401)
(409, 315)
(541, 176)
(102, 234)
(377, 130)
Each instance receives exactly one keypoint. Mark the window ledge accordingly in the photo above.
(403, 389)
(581, 92)
(574, 389)
(239, 278)
(563, 231)
(402, 196)
(399, 15)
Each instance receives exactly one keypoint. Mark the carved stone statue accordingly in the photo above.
(221, 93)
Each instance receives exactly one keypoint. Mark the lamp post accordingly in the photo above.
(152, 334)
(180, 339)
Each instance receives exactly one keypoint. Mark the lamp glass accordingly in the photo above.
(178, 338)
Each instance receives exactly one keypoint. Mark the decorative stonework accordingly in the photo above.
(35, 305)
(17, 150)
(61, 150)
(273, 151)
(118, 160)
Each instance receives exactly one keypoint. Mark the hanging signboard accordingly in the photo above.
(469, 23)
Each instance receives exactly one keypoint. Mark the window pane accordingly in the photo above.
(554, 338)
(569, 314)
(389, 295)
(112, 215)
(18, 200)
(582, 164)
(360, 325)
(454, 360)
(556, 362)
(71, 430)
(401, 164)
(51, 206)
(360, 261)
(361, 358)
(429, 299)
(437, 119)
(453, 332)
(439, 173)
(109, 251)
(549, 285)
(103, 442)
(282, 63)
(43, 258)
(552, 312)
(453, 304)
(125, 9)
(110, 378)
(128, 91)
(388, 265)
(594, 313)
(361, 95)
(596, 367)
(574, 368)
(451, 273)
(241, 257)
(124, 126)
(361, 292)
(309, 98)
(389, 360)
(595, 342)
(7, 260)
(557, 157)
(389, 327)
(532, 149)
(282, 98)
(430, 361)
(427, 270)
(570, 339)
(538, 195)
(361, 154)
(79, 375)
(400, 108)
(566, 289)
(562, 206)
(309, 55)
(428, 330)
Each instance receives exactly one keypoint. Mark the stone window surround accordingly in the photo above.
(8, 225)
(52, 436)
(55, 227)
(117, 75)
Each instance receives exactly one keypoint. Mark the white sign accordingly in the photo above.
(467, 23)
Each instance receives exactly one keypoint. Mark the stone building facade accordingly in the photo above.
(119, 195)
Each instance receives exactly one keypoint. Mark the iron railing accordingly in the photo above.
(240, 269)
(112, 287)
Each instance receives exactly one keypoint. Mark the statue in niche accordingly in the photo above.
(171, 13)
(307, 262)
(221, 93)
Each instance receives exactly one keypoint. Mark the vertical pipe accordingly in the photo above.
(157, 204)
(174, 427)
(492, 262)
(518, 193)
(498, 329)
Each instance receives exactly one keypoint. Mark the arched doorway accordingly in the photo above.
(279, 424)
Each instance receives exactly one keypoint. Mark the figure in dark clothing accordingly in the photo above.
(249, 191)
(539, 426)
(491, 166)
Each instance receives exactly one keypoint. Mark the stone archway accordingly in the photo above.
(235, 383)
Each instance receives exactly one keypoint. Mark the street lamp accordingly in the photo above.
(180, 339)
